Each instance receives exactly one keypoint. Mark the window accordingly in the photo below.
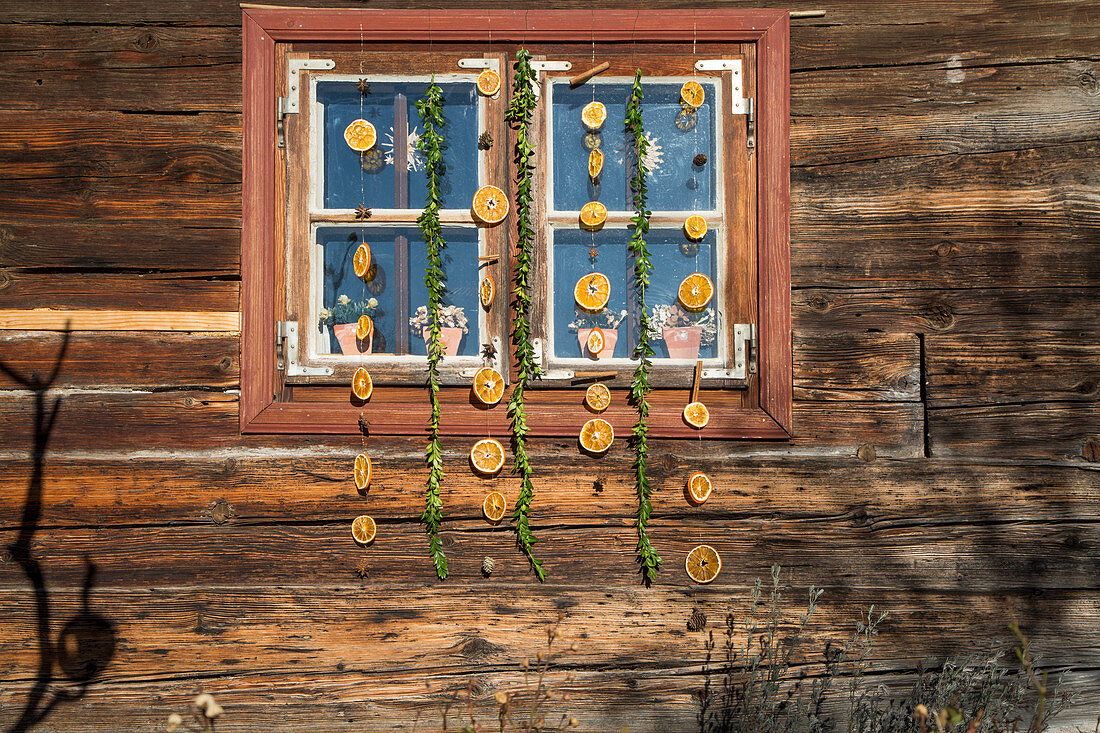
(311, 202)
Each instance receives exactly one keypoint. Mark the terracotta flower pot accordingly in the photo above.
(683, 342)
(610, 336)
(349, 343)
(451, 338)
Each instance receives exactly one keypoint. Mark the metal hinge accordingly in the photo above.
(289, 104)
(537, 346)
(495, 362)
(739, 103)
(744, 355)
(286, 353)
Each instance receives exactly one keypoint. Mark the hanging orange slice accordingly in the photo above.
(360, 261)
(695, 291)
(593, 215)
(362, 471)
(486, 291)
(692, 94)
(597, 397)
(703, 564)
(597, 435)
(494, 506)
(595, 163)
(595, 341)
(696, 415)
(364, 327)
(699, 487)
(363, 529)
(360, 136)
(488, 385)
(593, 115)
(487, 456)
(592, 291)
(361, 385)
(695, 227)
(490, 205)
(488, 82)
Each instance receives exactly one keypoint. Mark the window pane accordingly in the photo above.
(394, 289)
(677, 333)
(676, 136)
(372, 179)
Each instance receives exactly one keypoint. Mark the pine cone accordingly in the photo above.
(698, 621)
(487, 566)
(485, 141)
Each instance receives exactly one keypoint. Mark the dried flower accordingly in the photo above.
(343, 299)
(484, 141)
(174, 721)
(666, 317)
(372, 303)
(606, 318)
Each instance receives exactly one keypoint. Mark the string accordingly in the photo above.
(595, 138)
(362, 178)
(695, 131)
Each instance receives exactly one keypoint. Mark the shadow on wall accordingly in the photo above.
(86, 643)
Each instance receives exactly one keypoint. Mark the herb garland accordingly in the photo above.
(520, 111)
(640, 387)
(430, 144)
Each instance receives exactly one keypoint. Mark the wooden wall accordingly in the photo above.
(946, 266)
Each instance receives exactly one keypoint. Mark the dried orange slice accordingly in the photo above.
(360, 261)
(361, 385)
(487, 456)
(703, 564)
(360, 136)
(595, 341)
(592, 291)
(696, 415)
(488, 82)
(488, 385)
(494, 506)
(597, 435)
(695, 227)
(593, 215)
(363, 529)
(362, 471)
(364, 327)
(595, 163)
(695, 291)
(597, 397)
(486, 291)
(692, 94)
(593, 115)
(699, 487)
(490, 205)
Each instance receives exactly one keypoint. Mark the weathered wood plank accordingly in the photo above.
(1025, 366)
(856, 366)
(840, 116)
(316, 486)
(124, 359)
(1020, 218)
(27, 289)
(77, 244)
(110, 320)
(993, 557)
(188, 419)
(1066, 431)
(989, 311)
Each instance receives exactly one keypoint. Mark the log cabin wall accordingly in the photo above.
(946, 265)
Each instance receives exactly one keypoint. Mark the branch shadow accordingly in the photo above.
(86, 643)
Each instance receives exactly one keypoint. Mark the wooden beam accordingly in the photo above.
(47, 319)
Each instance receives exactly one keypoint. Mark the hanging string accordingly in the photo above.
(695, 131)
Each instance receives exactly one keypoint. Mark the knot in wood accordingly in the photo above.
(866, 452)
(1091, 450)
(1087, 81)
(221, 512)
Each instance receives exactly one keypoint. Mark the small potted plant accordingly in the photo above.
(452, 326)
(606, 320)
(344, 317)
(684, 331)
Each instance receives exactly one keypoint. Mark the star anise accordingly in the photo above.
(484, 141)
(363, 86)
(699, 160)
(488, 351)
(362, 212)
(592, 254)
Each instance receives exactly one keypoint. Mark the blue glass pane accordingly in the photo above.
(677, 332)
(371, 179)
(348, 296)
(676, 136)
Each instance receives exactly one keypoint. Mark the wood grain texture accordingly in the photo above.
(46, 319)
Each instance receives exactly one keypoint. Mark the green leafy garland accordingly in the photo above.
(520, 111)
(640, 387)
(430, 144)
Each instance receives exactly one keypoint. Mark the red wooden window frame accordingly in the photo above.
(263, 28)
